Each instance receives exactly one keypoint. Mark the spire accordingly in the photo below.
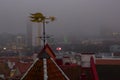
(46, 52)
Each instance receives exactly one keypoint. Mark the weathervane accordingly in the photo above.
(40, 18)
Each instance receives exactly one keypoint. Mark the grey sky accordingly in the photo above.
(74, 17)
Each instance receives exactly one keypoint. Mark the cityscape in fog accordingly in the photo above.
(59, 39)
(25, 43)
(80, 25)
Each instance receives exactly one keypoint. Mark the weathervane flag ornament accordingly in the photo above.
(39, 17)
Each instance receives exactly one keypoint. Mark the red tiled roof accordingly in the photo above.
(11, 59)
(4, 69)
(72, 71)
(108, 61)
(48, 50)
(37, 71)
(22, 66)
(88, 53)
(14, 59)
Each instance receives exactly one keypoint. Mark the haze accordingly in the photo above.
(74, 17)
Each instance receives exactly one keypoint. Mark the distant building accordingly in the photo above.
(115, 48)
(11, 43)
(29, 35)
(36, 34)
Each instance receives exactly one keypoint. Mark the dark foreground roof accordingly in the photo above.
(36, 72)
(108, 72)
(45, 67)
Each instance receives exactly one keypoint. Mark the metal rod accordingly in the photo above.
(39, 34)
(44, 33)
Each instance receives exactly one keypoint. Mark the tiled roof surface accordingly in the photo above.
(108, 69)
(22, 66)
(108, 61)
(48, 50)
(108, 72)
(4, 69)
(36, 72)
(72, 71)
(11, 59)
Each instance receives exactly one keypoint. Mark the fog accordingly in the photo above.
(73, 17)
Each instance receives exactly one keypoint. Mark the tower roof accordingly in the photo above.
(36, 71)
(46, 52)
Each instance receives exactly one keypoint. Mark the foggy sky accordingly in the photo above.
(74, 17)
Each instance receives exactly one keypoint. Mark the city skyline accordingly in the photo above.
(77, 18)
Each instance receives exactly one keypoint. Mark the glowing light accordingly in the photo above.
(4, 48)
(58, 48)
